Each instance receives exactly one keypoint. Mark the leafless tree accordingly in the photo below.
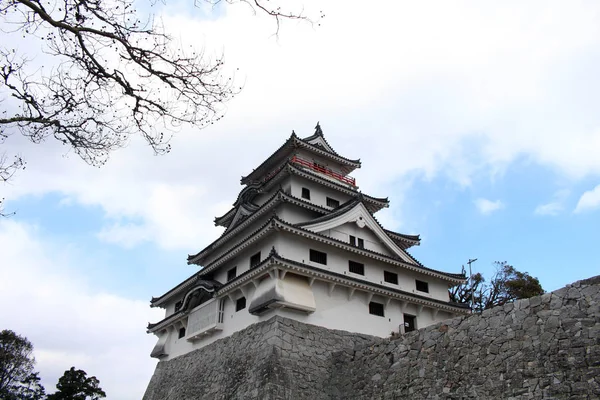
(114, 76)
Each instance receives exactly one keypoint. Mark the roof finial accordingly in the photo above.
(318, 130)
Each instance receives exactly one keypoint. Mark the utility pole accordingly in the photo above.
(471, 261)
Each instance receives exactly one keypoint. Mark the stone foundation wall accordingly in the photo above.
(276, 359)
(540, 348)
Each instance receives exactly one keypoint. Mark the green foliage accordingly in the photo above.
(75, 385)
(507, 285)
(17, 379)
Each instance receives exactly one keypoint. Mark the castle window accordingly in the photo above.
(318, 257)
(181, 333)
(410, 323)
(306, 193)
(255, 260)
(232, 273)
(422, 286)
(333, 203)
(178, 305)
(356, 267)
(376, 309)
(354, 241)
(390, 277)
(240, 304)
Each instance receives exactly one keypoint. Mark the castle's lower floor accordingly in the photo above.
(544, 347)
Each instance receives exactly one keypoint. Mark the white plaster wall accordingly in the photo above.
(372, 242)
(318, 193)
(336, 311)
(242, 260)
(295, 214)
(297, 248)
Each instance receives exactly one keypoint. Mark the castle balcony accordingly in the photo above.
(323, 170)
(205, 319)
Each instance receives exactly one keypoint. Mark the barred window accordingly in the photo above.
(356, 267)
(333, 203)
(390, 277)
(318, 257)
(376, 309)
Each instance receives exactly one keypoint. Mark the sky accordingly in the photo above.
(479, 120)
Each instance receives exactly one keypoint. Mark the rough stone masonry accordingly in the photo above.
(546, 347)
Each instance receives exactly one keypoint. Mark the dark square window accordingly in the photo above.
(333, 203)
(409, 323)
(376, 309)
(390, 277)
(356, 267)
(422, 286)
(318, 257)
(181, 333)
(352, 240)
(306, 193)
(232, 273)
(240, 304)
(361, 243)
(255, 260)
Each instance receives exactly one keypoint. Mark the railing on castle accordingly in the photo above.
(323, 170)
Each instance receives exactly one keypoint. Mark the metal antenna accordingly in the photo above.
(471, 261)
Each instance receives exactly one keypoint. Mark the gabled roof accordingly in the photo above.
(318, 139)
(192, 281)
(355, 211)
(315, 143)
(277, 224)
(247, 194)
(278, 197)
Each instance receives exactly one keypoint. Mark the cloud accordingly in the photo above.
(555, 206)
(45, 296)
(589, 200)
(486, 207)
(444, 102)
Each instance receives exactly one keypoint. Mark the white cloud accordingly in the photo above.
(412, 92)
(68, 321)
(486, 207)
(589, 200)
(555, 206)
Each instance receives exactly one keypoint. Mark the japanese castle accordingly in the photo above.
(301, 241)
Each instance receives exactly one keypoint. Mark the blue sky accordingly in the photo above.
(478, 120)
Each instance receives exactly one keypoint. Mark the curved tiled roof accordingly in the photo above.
(274, 257)
(276, 223)
(285, 150)
(278, 197)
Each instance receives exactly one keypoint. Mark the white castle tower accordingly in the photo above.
(301, 242)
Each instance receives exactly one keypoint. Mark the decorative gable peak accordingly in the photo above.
(355, 212)
(318, 139)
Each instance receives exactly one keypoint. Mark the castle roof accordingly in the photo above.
(246, 195)
(278, 197)
(315, 143)
(276, 224)
(274, 259)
